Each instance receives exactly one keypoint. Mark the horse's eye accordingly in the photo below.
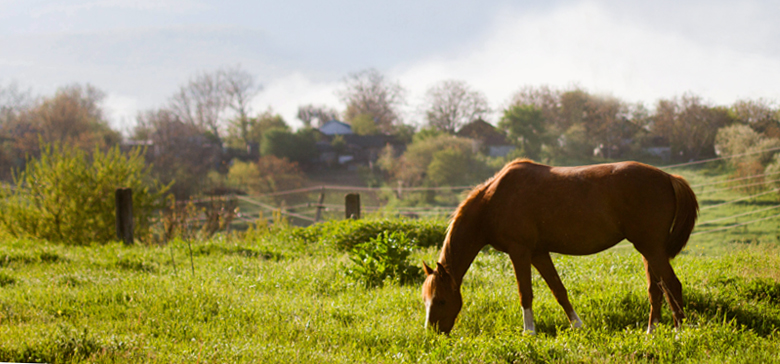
(440, 302)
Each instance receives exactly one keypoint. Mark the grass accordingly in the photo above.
(286, 296)
(272, 300)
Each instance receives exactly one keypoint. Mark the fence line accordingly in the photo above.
(735, 225)
(734, 179)
(741, 186)
(719, 158)
(737, 215)
(272, 208)
(737, 200)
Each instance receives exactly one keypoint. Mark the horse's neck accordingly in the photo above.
(461, 248)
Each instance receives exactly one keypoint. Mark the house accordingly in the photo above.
(357, 150)
(486, 138)
(335, 127)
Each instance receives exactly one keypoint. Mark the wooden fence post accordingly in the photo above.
(124, 215)
(318, 215)
(352, 202)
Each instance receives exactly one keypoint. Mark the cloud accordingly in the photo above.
(584, 44)
(285, 94)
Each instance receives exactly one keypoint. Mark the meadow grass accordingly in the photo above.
(286, 296)
(282, 300)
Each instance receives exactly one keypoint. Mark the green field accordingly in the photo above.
(286, 296)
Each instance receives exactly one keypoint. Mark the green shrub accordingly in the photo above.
(384, 258)
(66, 196)
(346, 234)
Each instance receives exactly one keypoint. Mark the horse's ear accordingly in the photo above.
(428, 270)
(440, 268)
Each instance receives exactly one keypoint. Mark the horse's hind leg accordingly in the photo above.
(544, 264)
(661, 268)
(656, 296)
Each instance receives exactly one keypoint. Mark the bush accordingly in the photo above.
(384, 258)
(67, 197)
(347, 234)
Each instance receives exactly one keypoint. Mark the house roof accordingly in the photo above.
(335, 127)
(482, 130)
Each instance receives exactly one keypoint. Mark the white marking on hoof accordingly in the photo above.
(651, 327)
(427, 313)
(576, 322)
(528, 321)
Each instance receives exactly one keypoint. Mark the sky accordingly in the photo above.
(140, 52)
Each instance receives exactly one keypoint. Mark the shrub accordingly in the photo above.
(346, 234)
(384, 258)
(67, 197)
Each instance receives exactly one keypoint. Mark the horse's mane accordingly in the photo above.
(475, 196)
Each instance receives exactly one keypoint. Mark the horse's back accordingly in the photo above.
(578, 210)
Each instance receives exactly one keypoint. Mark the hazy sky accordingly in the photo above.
(141, 51)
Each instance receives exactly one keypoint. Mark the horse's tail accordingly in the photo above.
(684, 217)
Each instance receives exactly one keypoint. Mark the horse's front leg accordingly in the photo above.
(522, 264)
(544, 264)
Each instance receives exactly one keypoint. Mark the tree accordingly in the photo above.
(413, 165)
(240, 88)
(525, 126)
(13, 103)
(761, 115)
(321, 114)
(254, 129)
(268, 174)
(451, 104)
(205, 100)
(689, 125)
(299, 147)
(368, 92)
(364, 124)
(179, 151)
(73, 116)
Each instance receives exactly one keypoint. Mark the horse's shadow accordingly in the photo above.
(741, 307)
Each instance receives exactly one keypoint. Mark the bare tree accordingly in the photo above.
(451, 104)
(205, 100)
(13, 102)
(368, 93)
(322, 114)
(240, 88)
(179, 151)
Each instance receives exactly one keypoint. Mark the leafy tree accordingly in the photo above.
(412, 168)
(761, 115)
(450, 167)
(72, 116)
(690, 125)
(298, 147)
(364, 124)
(255, 128)
(66, 197)
(368, 92)
(451, 104)
(525, 126)
(268, 174)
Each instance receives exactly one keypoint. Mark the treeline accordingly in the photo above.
(207, 139)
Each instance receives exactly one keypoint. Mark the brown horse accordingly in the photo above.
(529, 210)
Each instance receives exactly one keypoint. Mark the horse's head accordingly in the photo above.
(442, 298)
